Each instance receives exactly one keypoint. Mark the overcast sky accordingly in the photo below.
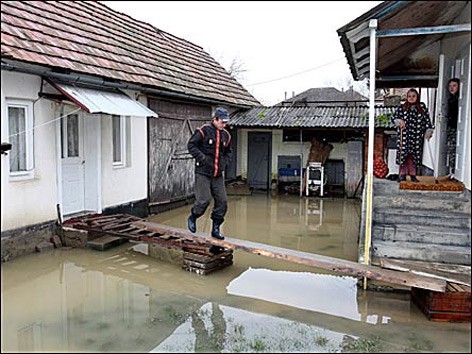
(284, 46)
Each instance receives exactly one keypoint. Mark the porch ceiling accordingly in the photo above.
(402, 60)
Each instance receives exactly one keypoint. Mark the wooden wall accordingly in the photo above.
(170, 166)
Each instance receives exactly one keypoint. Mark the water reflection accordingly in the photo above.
(324, 293)
(123, 300)
(238, 331)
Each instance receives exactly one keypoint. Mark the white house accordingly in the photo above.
(64, 155)
(75, 92)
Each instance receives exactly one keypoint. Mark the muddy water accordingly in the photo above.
(122, 300)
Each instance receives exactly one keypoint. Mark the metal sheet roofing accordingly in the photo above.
(312, 117)
(90, 38)
(100, 101)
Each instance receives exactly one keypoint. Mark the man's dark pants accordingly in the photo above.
(207, 187)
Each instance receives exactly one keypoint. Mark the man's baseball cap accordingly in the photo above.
(222, 114)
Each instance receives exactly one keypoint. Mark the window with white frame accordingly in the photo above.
(119, 140)
(20, 135)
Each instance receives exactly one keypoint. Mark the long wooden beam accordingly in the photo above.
(310, 259)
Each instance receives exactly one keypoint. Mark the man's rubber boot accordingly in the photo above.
(215, 232)
(192, 223)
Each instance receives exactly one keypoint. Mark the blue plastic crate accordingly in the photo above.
(289, 172)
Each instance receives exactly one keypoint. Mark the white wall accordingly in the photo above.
(291, 148)
(33, 200)
(279, 147)
(125, 184)
(468, 156)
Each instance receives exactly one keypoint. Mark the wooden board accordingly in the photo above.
(452, 273)
(218, 264)
(207, 259)
(310, 259)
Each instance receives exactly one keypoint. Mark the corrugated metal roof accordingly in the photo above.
(90, 38)
(312, 117)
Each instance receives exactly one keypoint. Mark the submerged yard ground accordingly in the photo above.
(122, 300)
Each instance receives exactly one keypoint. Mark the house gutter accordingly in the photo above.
(80, 79)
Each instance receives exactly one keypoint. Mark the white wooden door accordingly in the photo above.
(462, 72)
(73, 188)
(440, 135)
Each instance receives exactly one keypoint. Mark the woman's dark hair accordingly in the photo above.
(454, 79)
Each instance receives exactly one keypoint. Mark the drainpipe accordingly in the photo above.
(370, 159)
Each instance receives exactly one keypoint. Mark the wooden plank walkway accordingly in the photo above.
(139, 230)
(310, 259)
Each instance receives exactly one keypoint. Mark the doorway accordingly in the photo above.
(259, 160)
(80, 156)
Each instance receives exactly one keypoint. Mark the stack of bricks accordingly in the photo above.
(450, 306)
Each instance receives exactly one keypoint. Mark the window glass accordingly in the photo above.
(17, 134)
(117, 139)
(73, 135)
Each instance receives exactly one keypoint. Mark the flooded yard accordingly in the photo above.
(122, 300)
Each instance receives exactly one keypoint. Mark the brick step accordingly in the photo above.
(383, 187)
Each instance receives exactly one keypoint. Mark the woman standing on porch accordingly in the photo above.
(413, 126)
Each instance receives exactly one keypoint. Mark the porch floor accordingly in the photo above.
(428, 183)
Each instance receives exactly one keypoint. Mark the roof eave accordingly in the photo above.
(88, 80)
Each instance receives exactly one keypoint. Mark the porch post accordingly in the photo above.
(370, 159)
(301, 162)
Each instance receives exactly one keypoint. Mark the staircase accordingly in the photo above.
(430, 226)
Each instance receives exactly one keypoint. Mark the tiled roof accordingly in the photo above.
(90, 38)
(325, 95)
(312, 117)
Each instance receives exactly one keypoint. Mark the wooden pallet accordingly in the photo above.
(106, 231)
(206, 263)
(119, 225)
(450, 306)
(196, 257)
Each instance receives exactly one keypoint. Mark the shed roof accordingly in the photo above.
(408, 37)
(325, 95)
(312, 117)
(89, 38)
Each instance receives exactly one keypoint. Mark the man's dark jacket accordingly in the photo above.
(211, 149)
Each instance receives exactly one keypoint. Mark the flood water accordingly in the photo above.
(123, 300)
